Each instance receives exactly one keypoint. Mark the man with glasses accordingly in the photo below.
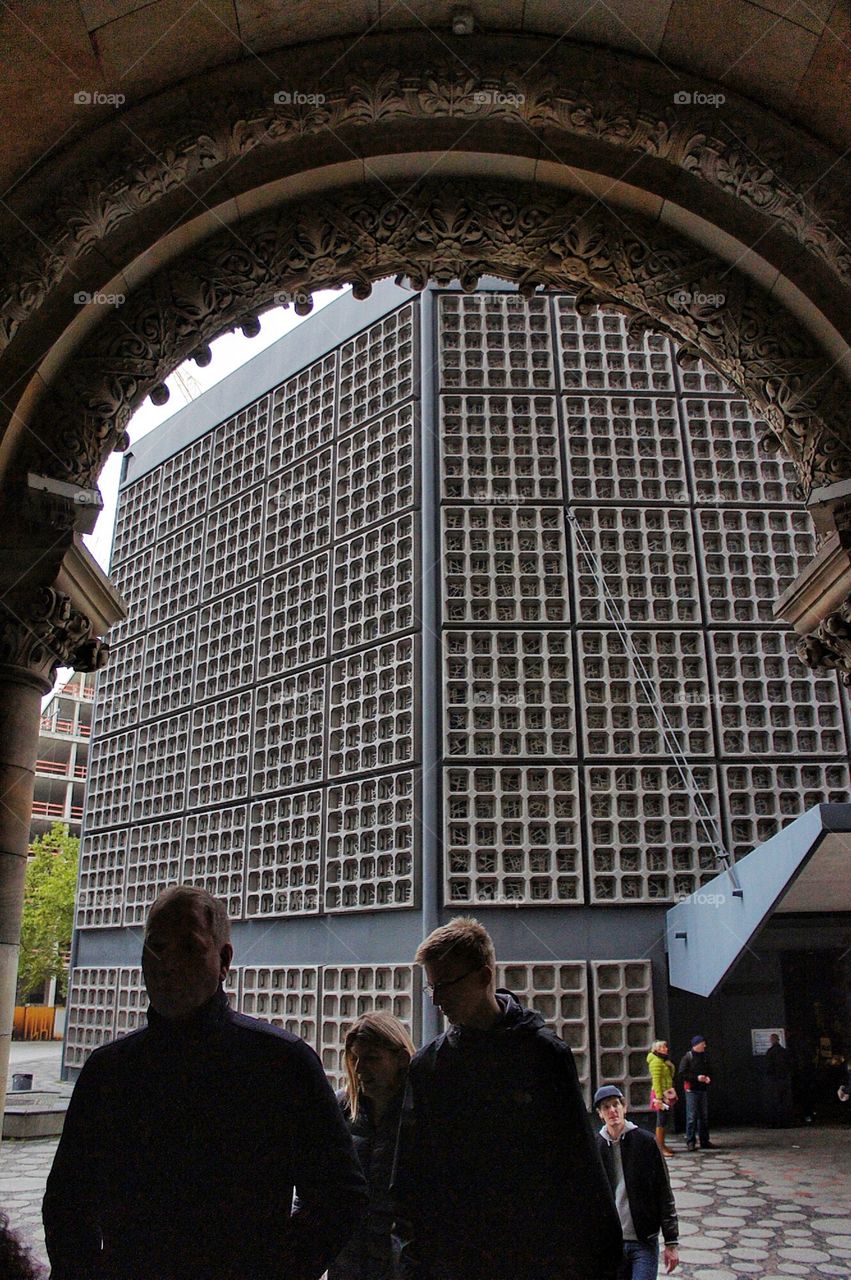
(498, 1168)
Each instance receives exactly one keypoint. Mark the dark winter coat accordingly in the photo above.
(648, 1188)
(778, 1063)
(502, 1175)
(692, 1066)
(373, 1251)
(181, 1148)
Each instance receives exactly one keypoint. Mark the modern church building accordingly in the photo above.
(463, 603)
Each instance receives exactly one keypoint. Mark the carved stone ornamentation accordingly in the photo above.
(830, 644)
(441, 231)
(558, 98)
(41, 632)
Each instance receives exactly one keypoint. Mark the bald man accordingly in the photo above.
(184, 1141)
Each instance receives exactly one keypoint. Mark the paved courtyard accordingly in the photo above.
(767, 1204)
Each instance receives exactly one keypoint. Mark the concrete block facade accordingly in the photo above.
(395, 620)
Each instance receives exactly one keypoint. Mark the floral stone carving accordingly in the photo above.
(442, 231)
(41, 632)
(573, 94)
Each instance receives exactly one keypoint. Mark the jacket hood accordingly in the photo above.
(515, 1020)
(604, 1133)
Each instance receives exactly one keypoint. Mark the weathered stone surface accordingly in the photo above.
(448, 230)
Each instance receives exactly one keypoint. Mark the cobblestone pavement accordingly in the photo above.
(24, 1165)
(770, 1205)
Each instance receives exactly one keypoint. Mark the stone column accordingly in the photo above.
(20, 710)
(818, 602)
(40, 630)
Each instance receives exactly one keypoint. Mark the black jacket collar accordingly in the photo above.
(213, 1013)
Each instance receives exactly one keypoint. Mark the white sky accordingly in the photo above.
(229, 352)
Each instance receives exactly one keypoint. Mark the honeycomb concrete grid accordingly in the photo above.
(293, 527)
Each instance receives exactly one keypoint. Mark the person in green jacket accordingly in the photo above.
(663, 1095)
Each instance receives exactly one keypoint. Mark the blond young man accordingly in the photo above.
(501, 1175)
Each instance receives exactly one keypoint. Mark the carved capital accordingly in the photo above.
(42, 631)
(830, 644)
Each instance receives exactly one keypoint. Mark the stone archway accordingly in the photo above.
(570, 167)
(211, 152)
(529, 235)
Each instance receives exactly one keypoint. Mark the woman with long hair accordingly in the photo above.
(377, 1052)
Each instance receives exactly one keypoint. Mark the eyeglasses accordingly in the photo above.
(450, 982)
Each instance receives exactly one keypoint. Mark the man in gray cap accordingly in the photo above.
(639, 1179)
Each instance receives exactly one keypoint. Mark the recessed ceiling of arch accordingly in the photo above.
(126, 193)
(792, 55)
(214, 146)
(445, 231)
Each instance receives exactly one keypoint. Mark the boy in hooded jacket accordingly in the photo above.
(639, 1179)
(501, 1174)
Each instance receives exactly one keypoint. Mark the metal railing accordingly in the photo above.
(49, 809)
(51, 725)
(60, 768)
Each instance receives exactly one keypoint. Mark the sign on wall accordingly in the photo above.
(761, 1039)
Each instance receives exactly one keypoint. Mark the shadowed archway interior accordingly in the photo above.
(195, 208)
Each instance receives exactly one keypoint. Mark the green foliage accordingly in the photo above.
(48, 918)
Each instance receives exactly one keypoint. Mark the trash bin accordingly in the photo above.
(21, 1082)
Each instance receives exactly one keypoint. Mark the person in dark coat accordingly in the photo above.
(696, 1077)
(183, 1141)
(639, 1180)
(500, 1170)
(778, 1084)
(377, 1053)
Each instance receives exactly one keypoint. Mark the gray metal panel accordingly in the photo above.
(708, 932)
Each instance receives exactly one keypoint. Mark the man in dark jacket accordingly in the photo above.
(501, 1178)
(639, 1179)
(777, 1084)
(696, 1078)
(183, 1141)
